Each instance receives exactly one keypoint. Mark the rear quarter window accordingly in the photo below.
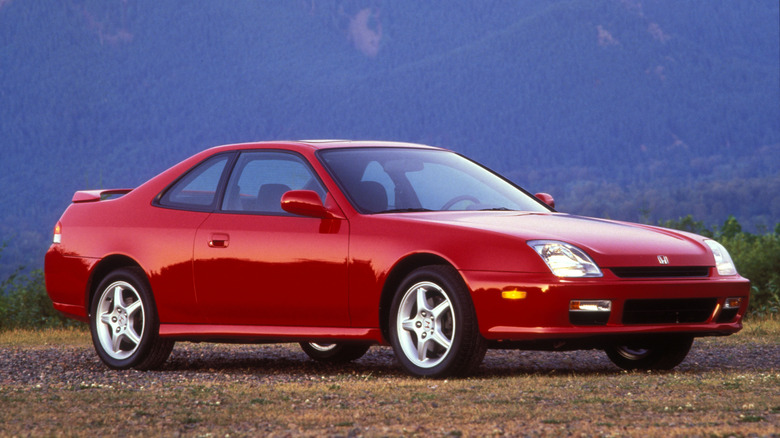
(198, 188)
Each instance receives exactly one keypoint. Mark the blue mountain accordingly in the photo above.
(641, 110)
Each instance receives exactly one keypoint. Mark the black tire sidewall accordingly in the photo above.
(664, 353)
(138, 281)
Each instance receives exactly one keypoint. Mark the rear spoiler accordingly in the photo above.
(98, 195)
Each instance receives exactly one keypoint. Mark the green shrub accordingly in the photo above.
(688, 224)
(25, 304)
(756, 256)
(758, 259)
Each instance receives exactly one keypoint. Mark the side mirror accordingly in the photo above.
(546, 198)
(305, 203)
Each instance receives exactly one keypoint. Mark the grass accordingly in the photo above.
(627, 403)
(343, 401)
(46, 337)
(761, 330)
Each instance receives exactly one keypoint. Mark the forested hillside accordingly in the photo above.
(644, 110)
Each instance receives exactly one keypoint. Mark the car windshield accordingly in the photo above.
(385, 180)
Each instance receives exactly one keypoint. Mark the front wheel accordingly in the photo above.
(335, 352)
(433, 326)
(123, 322)
(663, 353)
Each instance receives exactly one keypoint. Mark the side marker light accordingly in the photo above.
(513, 294)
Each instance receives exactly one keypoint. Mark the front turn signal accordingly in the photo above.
(733, 303)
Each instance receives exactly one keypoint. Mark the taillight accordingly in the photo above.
(57, 233)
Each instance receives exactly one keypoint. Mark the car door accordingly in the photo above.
(165, 237)
(255, 264)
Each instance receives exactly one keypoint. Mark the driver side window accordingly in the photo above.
(260, 178)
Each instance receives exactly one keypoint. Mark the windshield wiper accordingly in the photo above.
(405, 210)
(497, 209)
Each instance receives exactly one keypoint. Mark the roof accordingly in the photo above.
(326, 144)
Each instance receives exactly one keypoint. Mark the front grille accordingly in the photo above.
(674, 311)
(661, 271)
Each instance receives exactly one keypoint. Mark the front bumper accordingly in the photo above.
(538, 306)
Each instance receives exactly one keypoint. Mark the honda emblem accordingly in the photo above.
(662, 259)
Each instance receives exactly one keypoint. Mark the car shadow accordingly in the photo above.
(264, 363)
(379, 361)
(291, 361)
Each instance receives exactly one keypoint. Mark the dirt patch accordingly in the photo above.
(242, 390)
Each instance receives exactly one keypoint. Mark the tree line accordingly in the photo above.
(24, 303)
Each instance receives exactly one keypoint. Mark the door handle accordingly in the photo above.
(219, 240)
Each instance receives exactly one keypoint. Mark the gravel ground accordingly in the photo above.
(69, 365)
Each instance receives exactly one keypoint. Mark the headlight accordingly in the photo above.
(722, 258)
(565, 260)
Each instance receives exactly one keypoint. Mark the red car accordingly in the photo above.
(339, 245)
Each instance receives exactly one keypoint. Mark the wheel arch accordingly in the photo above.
(105, 267)
(396, 276)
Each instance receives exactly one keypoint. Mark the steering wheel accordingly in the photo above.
(447, 205)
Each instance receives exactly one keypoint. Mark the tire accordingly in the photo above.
(662, 353)
(335, 352)
(127, 335)
(433, 326)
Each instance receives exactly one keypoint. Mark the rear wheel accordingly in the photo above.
(123, 322)
(433, 326)
(335, 352)
(662, 353)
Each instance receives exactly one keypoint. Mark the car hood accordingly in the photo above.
(609, 243)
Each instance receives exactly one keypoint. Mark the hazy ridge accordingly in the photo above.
(636, 110)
